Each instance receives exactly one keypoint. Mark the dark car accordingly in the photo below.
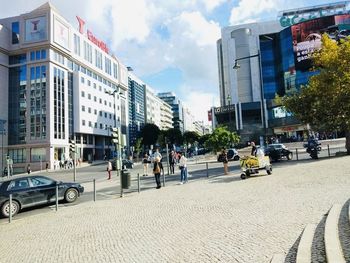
(277, 151)
(31, 191)
(232, 154)
(126, 164)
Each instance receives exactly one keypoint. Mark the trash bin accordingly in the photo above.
(125, 179)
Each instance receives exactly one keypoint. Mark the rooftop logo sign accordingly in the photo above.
(287, 21)
(102, 45)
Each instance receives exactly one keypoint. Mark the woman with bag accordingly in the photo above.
(224, 160)
(157, 169)
(145, 162)
(183, 168)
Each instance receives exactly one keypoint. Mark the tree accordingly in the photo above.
(138, 146)
(203, 139)
(189, 137)
(221, 138)
(324, 102)
(174, 136)
(149, 134)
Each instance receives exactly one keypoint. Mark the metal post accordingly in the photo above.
(8, 168)
(138, 182)
(56, 197)
(120, 170)
(163, 178)
(74, 161)
(207, 169)
(167, 154)
(121, 184)
(329, 152)
(10, 210)
(94, 190)
(296, 153)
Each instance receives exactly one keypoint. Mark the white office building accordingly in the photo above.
(54, 85)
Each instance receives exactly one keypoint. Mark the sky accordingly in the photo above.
(170, 44)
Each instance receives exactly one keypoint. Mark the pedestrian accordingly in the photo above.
(145, 162)
(183, 168)
(47, 167)
(157, 169)
(253, 152)
(223, 158)
(109, 170)
(172, 160)
(28, 169)
(157, 154)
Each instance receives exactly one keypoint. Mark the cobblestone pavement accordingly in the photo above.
(209, 220)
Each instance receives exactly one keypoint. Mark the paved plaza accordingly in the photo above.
(220, 219)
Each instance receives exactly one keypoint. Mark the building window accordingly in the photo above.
(89, 96)
(108, 69)
(82, 108)
(82, 80)
(90, 124)
(95, 111)
(15, 32)
(94, 85)
(89, 110)
(83, 94)
(95, 124)
(18, 155)
(98, 59)
(95, 98)
(100, 113)
(83, 122)
(101, 127)
(100, 88)
(100, 101)
(87, 52)
(59, 104)
(110, 105)
(105, 114)
(77, 44)
(110, 116)
(105, 102)
(115, 70)
(18, 59)
(89, 83)
(37, 154)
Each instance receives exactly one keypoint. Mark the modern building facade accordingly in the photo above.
(166, 116)
(55, 84)
(259, 61)
(137, 111)
(177, 108)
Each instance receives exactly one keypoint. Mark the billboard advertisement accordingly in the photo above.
(307, 36)
(61, 34)
(36, 29)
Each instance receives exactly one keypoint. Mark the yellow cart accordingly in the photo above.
(252, 165)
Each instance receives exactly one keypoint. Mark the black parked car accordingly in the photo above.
(31, 191)
(126, 164)
(278, 151)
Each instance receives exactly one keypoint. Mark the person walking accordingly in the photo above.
(172, 160)
(183, 168)
(224, 160)
(157, 169)
(145, 162)
(253, 152)
(109, 170)
(28, 169)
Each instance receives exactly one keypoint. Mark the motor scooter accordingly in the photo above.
(313, 148)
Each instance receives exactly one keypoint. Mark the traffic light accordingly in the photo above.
(72, 146)
(115, 135)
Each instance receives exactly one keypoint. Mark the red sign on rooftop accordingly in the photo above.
(102, 45)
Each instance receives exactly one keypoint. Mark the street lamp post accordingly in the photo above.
(237, 66)
(229, 112)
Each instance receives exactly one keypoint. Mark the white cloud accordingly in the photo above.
(200, 103)
(248, 9)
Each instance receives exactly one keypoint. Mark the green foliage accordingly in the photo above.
(149, 134)
(190, 137)
(221, 138)
(174, 136)
(203, 139)
(325, 102)
(138, 145)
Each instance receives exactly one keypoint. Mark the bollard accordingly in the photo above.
(138, 182)
(163, 179)
(94, 190)
(296, 151)
(329, 152)
(10, 209)
(207, 170)
(56, 197)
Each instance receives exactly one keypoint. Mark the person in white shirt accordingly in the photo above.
(157, 154)
(183, 168)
